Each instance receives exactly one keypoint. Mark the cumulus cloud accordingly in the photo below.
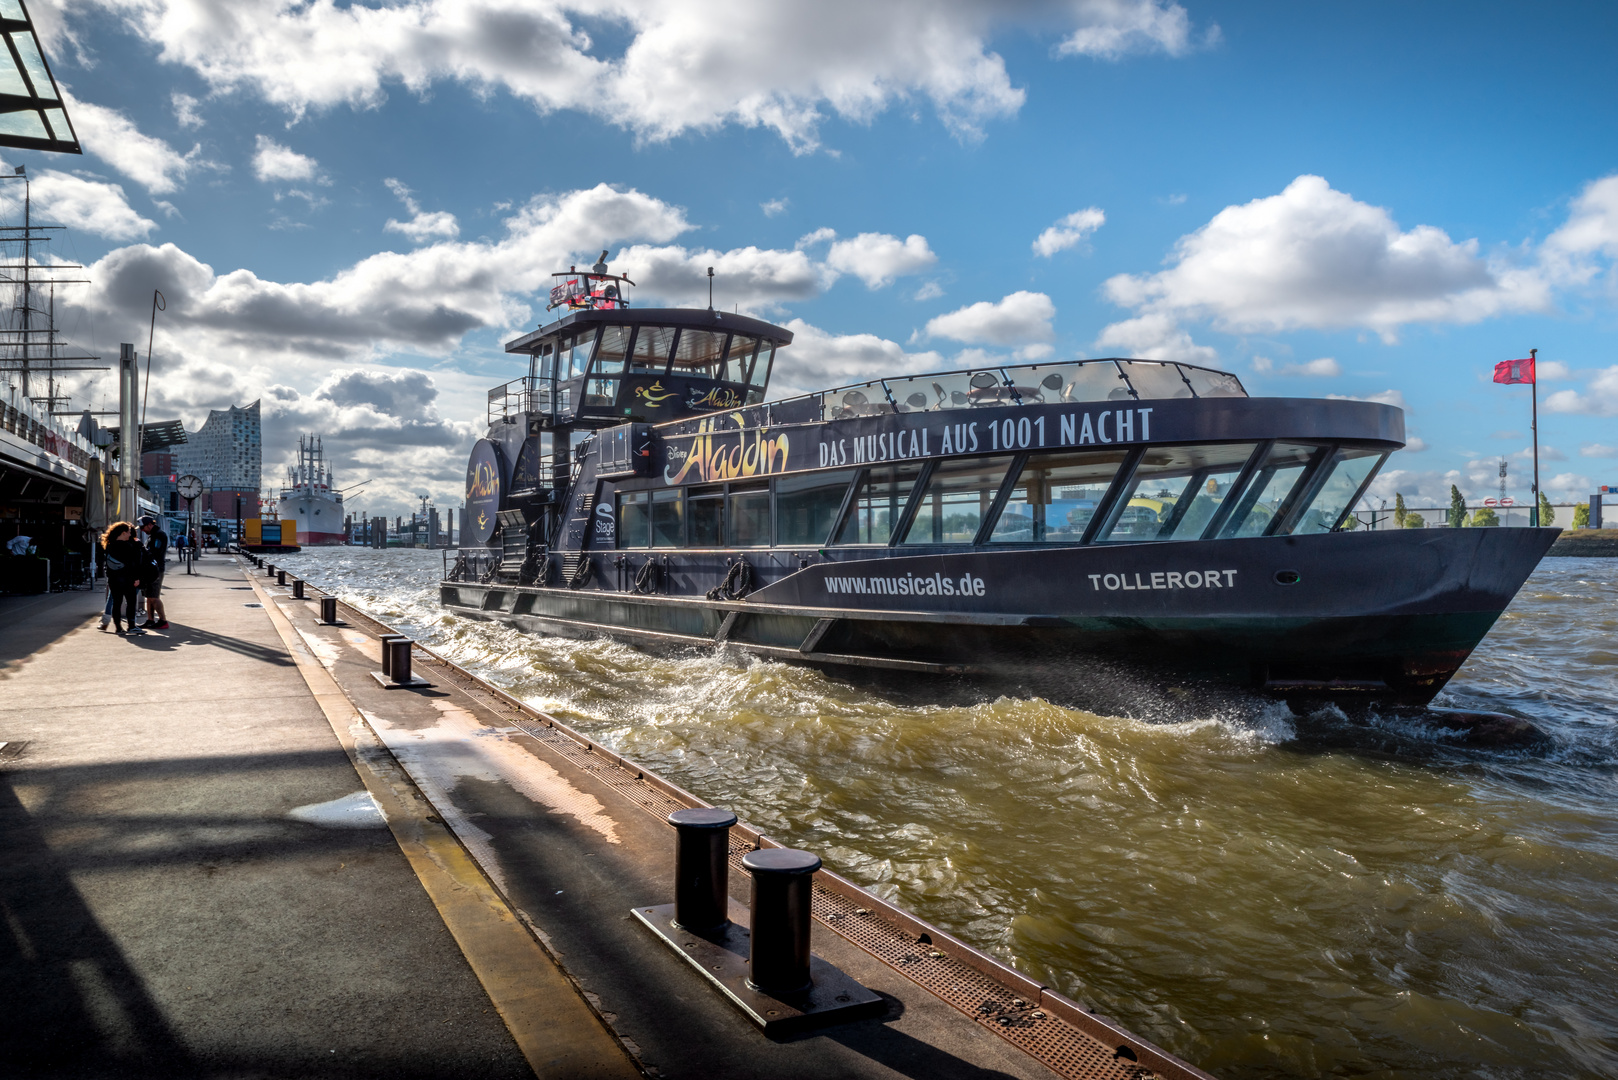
(185, 110)
(1591, 229)
(748, 278)
(94, 206)
(1313, 257)
(819, 359)
(877, 258)
(272, 161)
(1598, 398)
(1070, 231)
(1021, 318)
(774, 207)
(1118, 27)
(422, 226)
(1599, 450)
(114, 138)
(1153, 336)
(1386, 397)
(684, 65)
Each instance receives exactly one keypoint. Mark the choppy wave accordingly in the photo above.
(1265, 894)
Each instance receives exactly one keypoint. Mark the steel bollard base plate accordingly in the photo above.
(721, 956)
(388, 683)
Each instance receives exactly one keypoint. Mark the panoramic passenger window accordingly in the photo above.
(880, 500)
(1054, 498)
(1176, 490)
(806, 507)
(959, 495)
(697, 353)
(668, 521)
(749, 517)
(1349, 468)
(651, 355)
(1267, 493)
(705, 517)
(634, 519)
(1155, 380)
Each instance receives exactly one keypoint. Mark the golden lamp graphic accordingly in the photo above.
(654, 394)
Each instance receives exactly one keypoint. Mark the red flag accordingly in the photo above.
(1514, 371)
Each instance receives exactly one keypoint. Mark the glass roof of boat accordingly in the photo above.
(1112, 379)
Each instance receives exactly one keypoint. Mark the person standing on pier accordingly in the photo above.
(157, 553)
(126, 564)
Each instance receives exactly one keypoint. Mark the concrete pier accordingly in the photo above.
(228, 850)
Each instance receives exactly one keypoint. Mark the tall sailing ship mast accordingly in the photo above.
(310, 498)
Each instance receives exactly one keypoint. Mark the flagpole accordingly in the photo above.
(1533, 387)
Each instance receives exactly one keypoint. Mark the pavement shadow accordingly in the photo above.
(177, 635)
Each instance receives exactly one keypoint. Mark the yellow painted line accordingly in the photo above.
(557, 1031)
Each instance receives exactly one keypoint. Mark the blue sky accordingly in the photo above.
(349, 207)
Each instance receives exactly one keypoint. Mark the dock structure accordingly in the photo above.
(230, 849)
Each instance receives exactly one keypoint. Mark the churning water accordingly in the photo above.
(1264, 894)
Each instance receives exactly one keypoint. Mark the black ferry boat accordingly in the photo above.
(1056, 524)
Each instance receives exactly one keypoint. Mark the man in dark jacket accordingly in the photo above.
(157, 554)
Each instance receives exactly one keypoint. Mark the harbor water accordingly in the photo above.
(1266, 895)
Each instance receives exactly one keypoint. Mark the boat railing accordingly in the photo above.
(1024, 384)
(529, 394)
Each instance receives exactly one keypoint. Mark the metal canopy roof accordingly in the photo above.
(32, 113)
(159, 434)
(696, 318)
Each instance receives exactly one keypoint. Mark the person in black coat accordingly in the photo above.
(127, 564)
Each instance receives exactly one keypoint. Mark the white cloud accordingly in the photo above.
(1118, 27)
(819, 236)
(877, 258)
(1591, 229)
(774, 207)
(747, 278)
(1599, 398)
(1154, 336)
(91, 205)
(1069, 231)
(1018, 319)
(686, 65)
(422, 226)
(1546, 453)
(185, 110)
(932, 290)
(1323, 368)
(272, 161)
(1568, 487)
(1551, 369)
(1600, 450)
(1315, 258)
(1415, 444)
(114, 138)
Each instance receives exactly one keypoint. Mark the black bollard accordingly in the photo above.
(701, 868)
(783, 887)
(297, 589)
(387, 654)
(396, 657)
(280, 577)
(328, 609)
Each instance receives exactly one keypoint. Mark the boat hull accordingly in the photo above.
(1343, 616)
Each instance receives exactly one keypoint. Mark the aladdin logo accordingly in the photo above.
(483, 521)
(720, 397)
(654, 395)
(708, 458)
(485, 482)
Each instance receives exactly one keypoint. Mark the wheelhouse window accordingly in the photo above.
(705, 517)
(740, 358)
(1177, 490)
(602, 388)
(651, 352)
(698, 353)
(1055, 496)
(759, 378)
(957, 500)
(878, 501)
(749, 515)
(1350, 467)
(577, 353)
(806, 506)
(1268, 493)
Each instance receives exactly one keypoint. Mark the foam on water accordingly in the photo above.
(1266, 894)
